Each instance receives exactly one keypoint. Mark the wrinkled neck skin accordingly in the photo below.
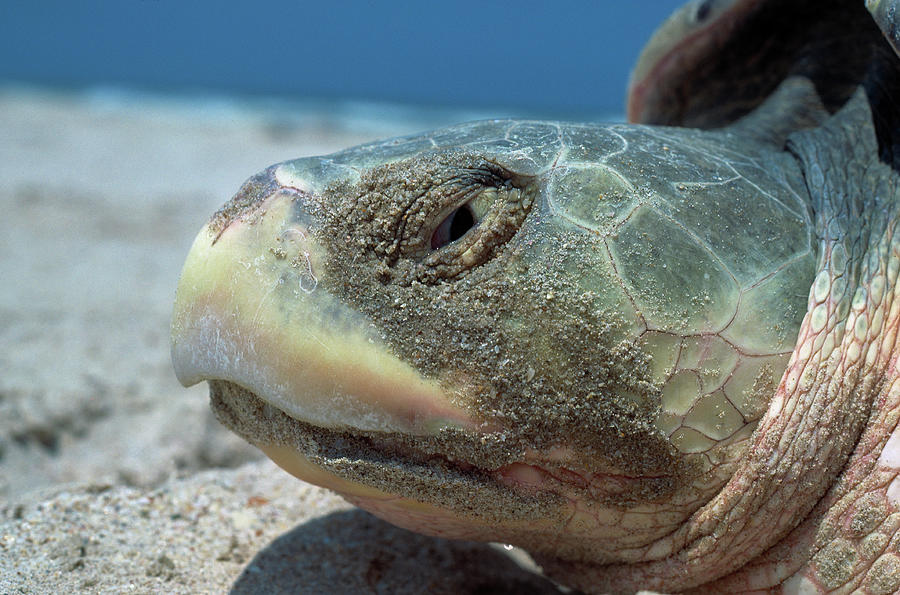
(809, 506)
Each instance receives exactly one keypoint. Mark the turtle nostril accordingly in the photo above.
(453, 227)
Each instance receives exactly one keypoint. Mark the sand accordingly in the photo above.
(113, 477)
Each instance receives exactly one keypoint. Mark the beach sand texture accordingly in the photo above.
(113, 477)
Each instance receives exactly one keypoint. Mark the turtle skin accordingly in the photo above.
(655, 357)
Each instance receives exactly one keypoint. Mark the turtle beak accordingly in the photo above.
(252, 308)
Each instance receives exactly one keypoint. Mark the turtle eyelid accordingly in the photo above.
(469, 237)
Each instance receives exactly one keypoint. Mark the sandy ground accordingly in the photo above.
(114, 478)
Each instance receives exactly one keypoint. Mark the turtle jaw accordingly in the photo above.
(401, 478)
(249, 310)
(253, 312)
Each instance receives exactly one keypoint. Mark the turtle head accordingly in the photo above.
(487, 333)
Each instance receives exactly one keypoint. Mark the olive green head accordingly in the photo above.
(506, 330)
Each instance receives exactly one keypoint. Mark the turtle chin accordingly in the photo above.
(421, 483)
(427, 484)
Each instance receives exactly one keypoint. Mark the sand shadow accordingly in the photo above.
(353, 552)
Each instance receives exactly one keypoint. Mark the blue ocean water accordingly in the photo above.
(567, 58)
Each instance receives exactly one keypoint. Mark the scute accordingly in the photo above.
(312, 175)
(664, 349)
(583, 143)
(594, 197)
(681, 391)
(753, 382)
(589, 261)
(746, 235)
(759, 302)
(712, 357)
(537, 142)
(470, 133)
(669, 295)
(714, 416)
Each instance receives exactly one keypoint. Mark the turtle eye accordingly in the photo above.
(463, 218)
(702, 10)
(453, 227)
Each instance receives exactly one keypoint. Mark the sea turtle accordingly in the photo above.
(659, 357)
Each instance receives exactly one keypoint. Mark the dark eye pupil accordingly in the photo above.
(703, 10)
(461, 223)
(453, 227)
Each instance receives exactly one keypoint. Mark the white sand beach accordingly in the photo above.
(113, 477)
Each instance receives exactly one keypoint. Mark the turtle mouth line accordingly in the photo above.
(406, 466)
(410, 466)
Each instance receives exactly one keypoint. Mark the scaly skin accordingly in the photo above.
(588, 367)
(237, 279)
(848, 541)
(844, 361)
(598, 455)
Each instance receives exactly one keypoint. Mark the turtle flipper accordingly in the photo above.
(886, 16)
(711, 74)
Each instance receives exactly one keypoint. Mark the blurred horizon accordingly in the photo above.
(521, 58)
